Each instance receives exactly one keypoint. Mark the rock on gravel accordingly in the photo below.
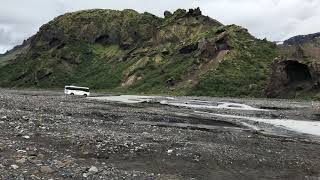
(93, 169)
(14, 166)
(46, 169)
(21, 161)
(26, 137)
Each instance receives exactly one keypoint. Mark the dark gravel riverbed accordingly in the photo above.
(46, 135)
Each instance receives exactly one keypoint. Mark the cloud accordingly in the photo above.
(273, 19)
(4, 48)
(21, 19)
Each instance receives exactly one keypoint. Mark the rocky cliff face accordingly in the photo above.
(184, 53)
(292, 78)
(296, 72)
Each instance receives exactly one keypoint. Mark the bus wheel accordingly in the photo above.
(72, 94)
(85, 95)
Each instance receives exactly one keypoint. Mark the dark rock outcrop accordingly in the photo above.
(167, 14)
(180, 13)
(195, 12)
(189, 48)
(210, 47)
(207, 48)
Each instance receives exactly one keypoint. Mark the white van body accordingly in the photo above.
(76, 90)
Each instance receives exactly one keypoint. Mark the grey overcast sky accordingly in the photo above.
(273, 19)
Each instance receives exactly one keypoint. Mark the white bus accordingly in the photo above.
(75, 90)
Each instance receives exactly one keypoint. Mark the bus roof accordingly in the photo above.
(77, 87)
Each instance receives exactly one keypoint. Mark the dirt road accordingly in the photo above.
(46, 135)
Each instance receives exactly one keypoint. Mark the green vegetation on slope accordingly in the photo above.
(243, 73)
(183, 54)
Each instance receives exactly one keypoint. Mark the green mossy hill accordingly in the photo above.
(184, 53)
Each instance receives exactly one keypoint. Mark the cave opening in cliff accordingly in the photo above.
(297, 72)
(103, 39)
